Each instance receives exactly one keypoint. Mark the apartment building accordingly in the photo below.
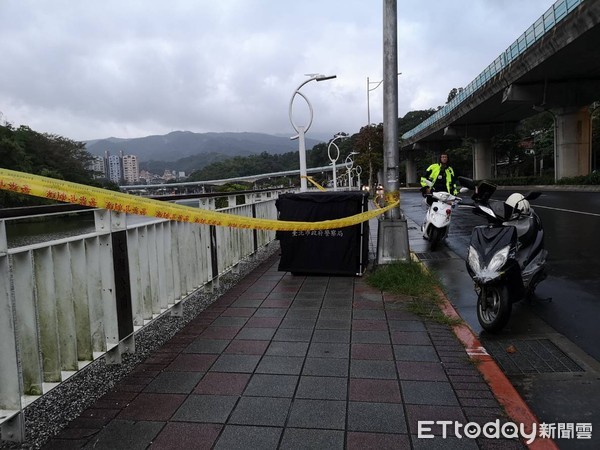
(131, 169)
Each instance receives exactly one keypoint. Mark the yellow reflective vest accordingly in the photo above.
(433, 172)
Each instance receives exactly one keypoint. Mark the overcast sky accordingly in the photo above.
(89, 69)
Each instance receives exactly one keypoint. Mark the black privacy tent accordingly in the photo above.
(339, 251)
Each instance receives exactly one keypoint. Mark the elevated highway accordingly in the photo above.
(553, 66)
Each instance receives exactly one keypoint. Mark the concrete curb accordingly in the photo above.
(499, 384)
(534, 187)
(502, 389)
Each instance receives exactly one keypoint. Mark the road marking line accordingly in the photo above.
(479, 351)
(567, 210)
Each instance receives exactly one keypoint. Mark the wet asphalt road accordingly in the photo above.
(571, 222)
(556, 365)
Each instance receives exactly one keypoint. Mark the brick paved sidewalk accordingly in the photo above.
(284, 361)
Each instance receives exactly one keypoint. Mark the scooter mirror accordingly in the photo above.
(532, 195)
(466, 182)
(427, 182)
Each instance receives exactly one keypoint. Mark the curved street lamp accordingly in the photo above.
(302, 129)
(358, 171)
(369, 89)
(337, 155)
(349, 163)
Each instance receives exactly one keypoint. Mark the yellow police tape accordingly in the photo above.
(392, 197)
(65, 191)
(317, 185)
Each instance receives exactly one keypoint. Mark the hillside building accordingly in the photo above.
(131, 169)
(98, 168)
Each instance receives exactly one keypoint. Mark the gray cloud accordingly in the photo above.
(90, 69)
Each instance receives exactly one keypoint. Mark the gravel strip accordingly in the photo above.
(52, 412)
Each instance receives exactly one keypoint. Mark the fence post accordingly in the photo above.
(116, 285)
(11, 418)
(214, 261)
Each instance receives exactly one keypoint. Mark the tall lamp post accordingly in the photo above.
(302, 129)
(392, 231)
(349, 163)
(358, 171)
(369, 89)
(337, 155)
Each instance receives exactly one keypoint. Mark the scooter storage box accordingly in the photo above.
(484, 192)
(338, 251)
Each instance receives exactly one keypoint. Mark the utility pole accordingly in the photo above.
(392, 237)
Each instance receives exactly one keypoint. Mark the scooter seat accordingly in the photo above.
(526, 229)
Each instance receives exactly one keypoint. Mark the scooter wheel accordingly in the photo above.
(493, 308)
(435, 237)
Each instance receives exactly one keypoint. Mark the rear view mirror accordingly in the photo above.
(483, 192)
(532, 195)
(467, 182)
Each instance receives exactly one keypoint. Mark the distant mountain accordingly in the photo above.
(188, 164)
(183, 144)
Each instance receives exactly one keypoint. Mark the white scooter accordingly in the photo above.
(440, 206)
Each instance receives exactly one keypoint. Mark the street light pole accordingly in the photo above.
(332, 159)
(302, 129)
(349, 163)
(369, 89)
(390, 103)
(392, 230)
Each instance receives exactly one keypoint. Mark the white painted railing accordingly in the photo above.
(66, 302)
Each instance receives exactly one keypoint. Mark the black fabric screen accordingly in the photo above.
(340, 251)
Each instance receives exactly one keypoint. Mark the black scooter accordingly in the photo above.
(506, 258)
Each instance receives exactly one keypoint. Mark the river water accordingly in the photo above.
(33, 230)
(28, 231)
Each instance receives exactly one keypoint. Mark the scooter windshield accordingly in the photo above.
(502, 211)
(488, 240)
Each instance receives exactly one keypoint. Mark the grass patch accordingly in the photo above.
(411, 279)
(404, 278)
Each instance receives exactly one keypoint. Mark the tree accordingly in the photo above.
(453, 93)
(595, 136)
(421, 159)
(26, 150)
(412, 119)
(240, 166)
(12, 150)
(369, 145)
(509, 154)
(540, 130)
(317, 156)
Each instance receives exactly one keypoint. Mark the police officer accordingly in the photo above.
(441, 175)
(379, 194)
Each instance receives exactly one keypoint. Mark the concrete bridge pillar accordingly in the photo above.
(573, 143)
(411, 169)
(483, 159)
(480, 137)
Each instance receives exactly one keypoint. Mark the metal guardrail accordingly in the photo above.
(65, 303)
(246, 178)
(557, 12)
